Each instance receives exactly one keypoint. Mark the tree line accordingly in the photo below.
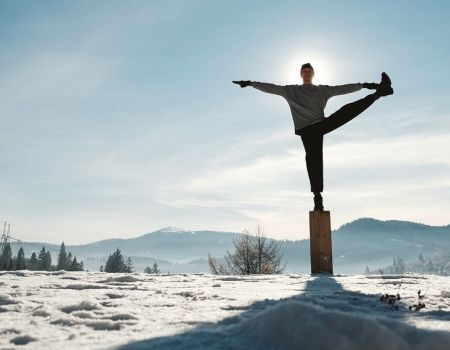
(39, 262)
(437, 265)
(42, 261)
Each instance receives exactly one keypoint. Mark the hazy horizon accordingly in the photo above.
(179, 229)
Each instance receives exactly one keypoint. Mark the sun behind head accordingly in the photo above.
(322, 73)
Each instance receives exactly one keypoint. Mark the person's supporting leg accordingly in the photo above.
(313, 144)
(312, 138)
(344, 114)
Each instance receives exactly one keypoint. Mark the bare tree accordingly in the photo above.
(216, 267)
(254, 254)
(268, 254)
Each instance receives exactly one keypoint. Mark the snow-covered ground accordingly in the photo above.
(95, 310)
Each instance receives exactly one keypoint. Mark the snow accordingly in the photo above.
(95, 310)
(172, 229)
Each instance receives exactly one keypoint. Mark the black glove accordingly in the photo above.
(242, 83)
(373, 86)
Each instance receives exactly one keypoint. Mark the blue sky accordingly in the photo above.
(120, 118)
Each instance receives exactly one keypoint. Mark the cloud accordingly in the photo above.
(275, 187)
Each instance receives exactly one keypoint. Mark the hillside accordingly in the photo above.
(362, 242)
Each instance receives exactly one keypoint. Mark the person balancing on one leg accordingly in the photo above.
(307, 103)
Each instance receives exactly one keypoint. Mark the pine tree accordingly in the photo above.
(421, 259)
(33, 264)
(48, 261)
(77, 266)
(119, 261)
(115, 262)
(101, 268)
(6, 257)
(155, 268)
(74, 266)
(20, 260)
(41, 259)
(129, 266)
(12, 264)
(62, 258)
(69, 261)
(430, 266)
(108, 264)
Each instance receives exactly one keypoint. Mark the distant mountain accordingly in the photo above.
(174, 249)
(367, 241)
(166, 244)
(360, 243)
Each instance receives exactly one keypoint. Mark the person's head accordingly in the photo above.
(307, 73)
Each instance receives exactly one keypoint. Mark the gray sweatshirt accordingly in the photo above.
(307, 102)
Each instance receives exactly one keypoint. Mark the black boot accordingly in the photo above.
(385, 80)
(318, 204)
(385, 86)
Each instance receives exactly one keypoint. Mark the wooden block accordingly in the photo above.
(320, 241)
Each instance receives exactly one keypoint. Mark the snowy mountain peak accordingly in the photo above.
(172, 229)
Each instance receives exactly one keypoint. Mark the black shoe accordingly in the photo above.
(385, 80)
(385, 86)
(318, 204)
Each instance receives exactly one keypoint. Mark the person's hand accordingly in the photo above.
(242, 83)
(373, 86)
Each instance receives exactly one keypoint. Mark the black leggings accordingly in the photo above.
(312, 137)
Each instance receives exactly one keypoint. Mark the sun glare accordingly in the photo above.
(322, 69)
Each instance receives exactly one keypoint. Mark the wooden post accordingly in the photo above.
(320, 241)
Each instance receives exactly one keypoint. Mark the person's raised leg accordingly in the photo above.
(346, 113)
(353, 109)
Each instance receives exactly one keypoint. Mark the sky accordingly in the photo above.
(119, 118)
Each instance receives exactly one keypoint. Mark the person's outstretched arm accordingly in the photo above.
(264, 87)
(335, 90)
(268, 87)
